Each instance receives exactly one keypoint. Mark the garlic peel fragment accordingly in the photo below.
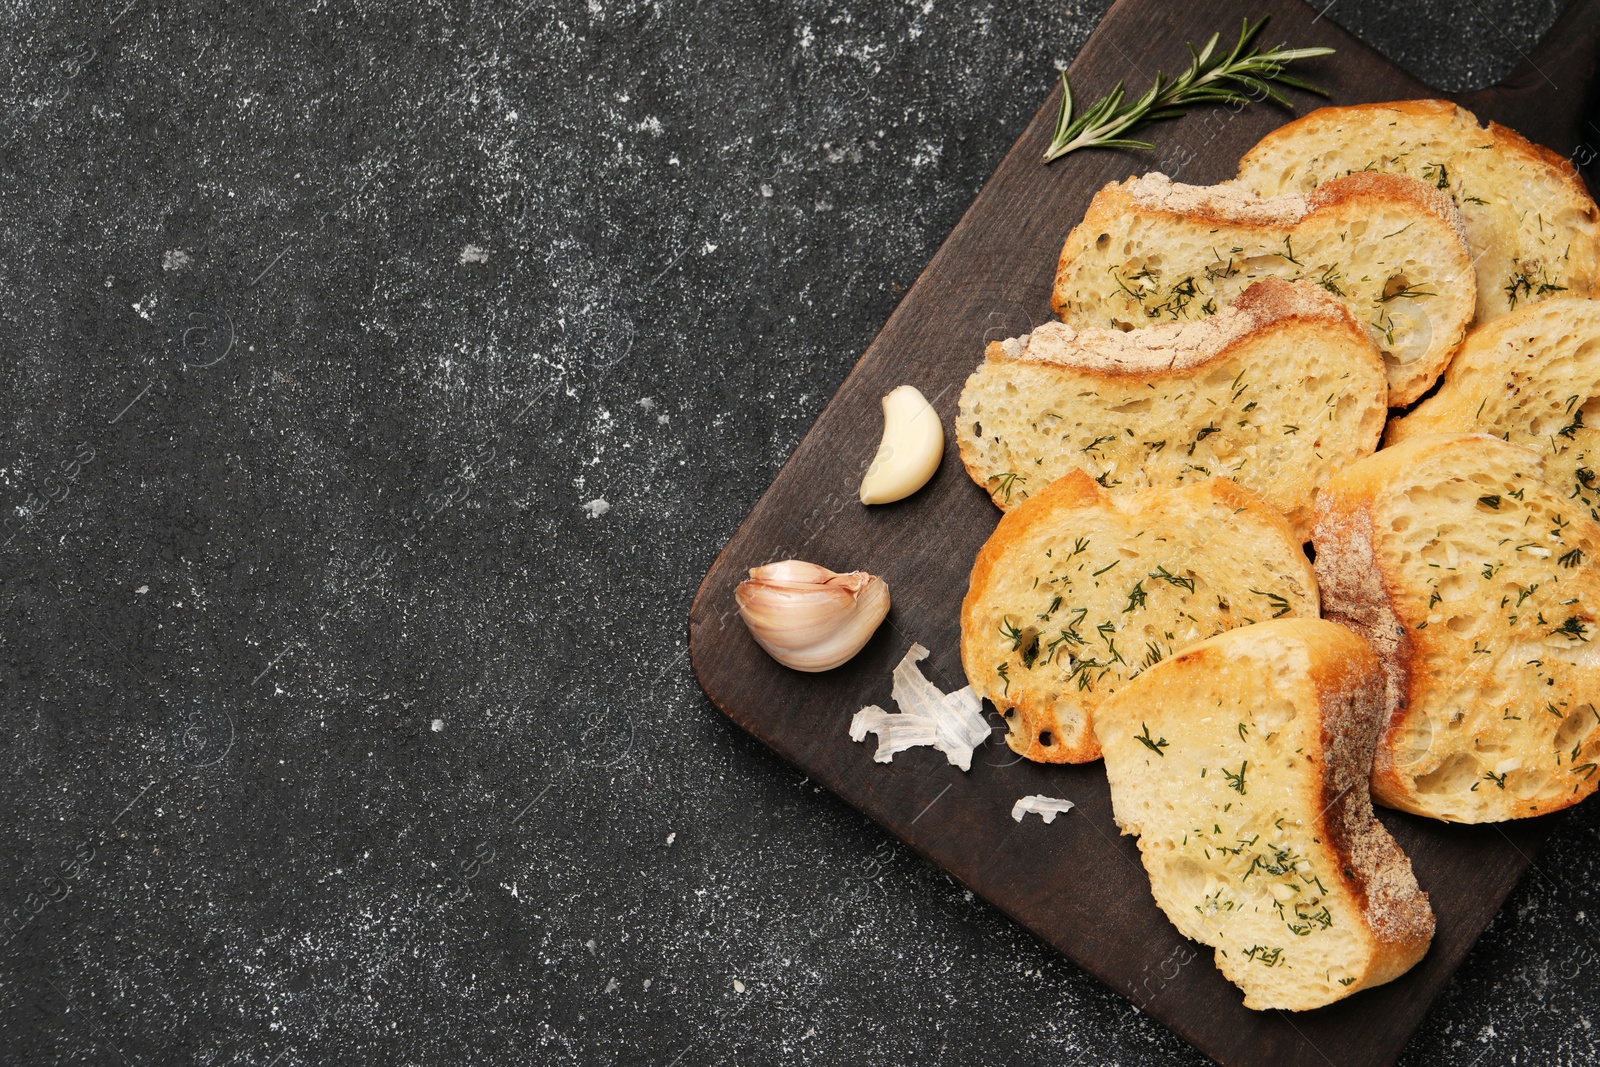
(1047, 808)
(951, 722)
(808, 617)
(909, 453)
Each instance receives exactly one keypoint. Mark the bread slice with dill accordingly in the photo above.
(1276, 391)
(1241, 765)
(1475, 579)
(1532, 226)
(1531, 377)
(1078, 591)
(1391, 247)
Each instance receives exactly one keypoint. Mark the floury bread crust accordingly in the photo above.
(1391, 247)
(1241, 765)
(1532, 226)
(1476, 582)
(1277, 391)
(1078, 591)
(1531, 377)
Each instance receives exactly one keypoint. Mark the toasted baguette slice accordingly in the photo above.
(1391, 247)
(1476, 582)
(1276, 391)
(1532, 378)
(1241, 764)
(1533, 228)
(1077, 591)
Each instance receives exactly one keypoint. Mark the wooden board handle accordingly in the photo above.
(1553, 96)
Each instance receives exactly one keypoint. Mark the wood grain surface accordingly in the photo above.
(1076, 883)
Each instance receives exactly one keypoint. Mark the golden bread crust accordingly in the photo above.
(1476, 582)
(1277, 391)
(1533, 228)
(1241, 766)
(1391, 247)
(1050, 625)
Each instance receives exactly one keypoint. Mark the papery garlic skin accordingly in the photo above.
(910, 451)
(808, 617)
(953, 723)
(1047, 808)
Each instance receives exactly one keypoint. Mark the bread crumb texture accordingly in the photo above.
(1392, 248)
(1079, 591)
(1241, 765)
(1475, 580)
(1277, 391)
(1531, 377)
(1533, 229)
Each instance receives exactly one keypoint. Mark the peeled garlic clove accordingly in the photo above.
(912, 445)
(808, 617)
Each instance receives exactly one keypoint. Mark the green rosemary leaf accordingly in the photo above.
(1240, 77)
(1296, 83)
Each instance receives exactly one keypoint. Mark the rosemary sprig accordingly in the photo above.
(1243, 75)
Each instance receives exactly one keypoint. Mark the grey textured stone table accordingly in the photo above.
(379, 380)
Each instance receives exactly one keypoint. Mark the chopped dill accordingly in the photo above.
(1004, 482)
(1403, 292)
(1269, 957)
(1329, 280)
(1177, 300)
(1011, 632)
(1153, 744)
(1236, 781)
(1167, 576)
(1320, 919)
(1280, 605)
(1573, 627)
(1205, 431)
(1080, 671)
(1094, 446)
(1136, 597)
(1523, 285)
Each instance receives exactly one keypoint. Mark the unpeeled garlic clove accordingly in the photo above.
(808, 617)
(909, 453)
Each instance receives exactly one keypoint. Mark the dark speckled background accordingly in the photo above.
(338, 726)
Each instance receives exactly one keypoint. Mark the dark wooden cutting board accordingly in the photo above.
(1076, 883)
